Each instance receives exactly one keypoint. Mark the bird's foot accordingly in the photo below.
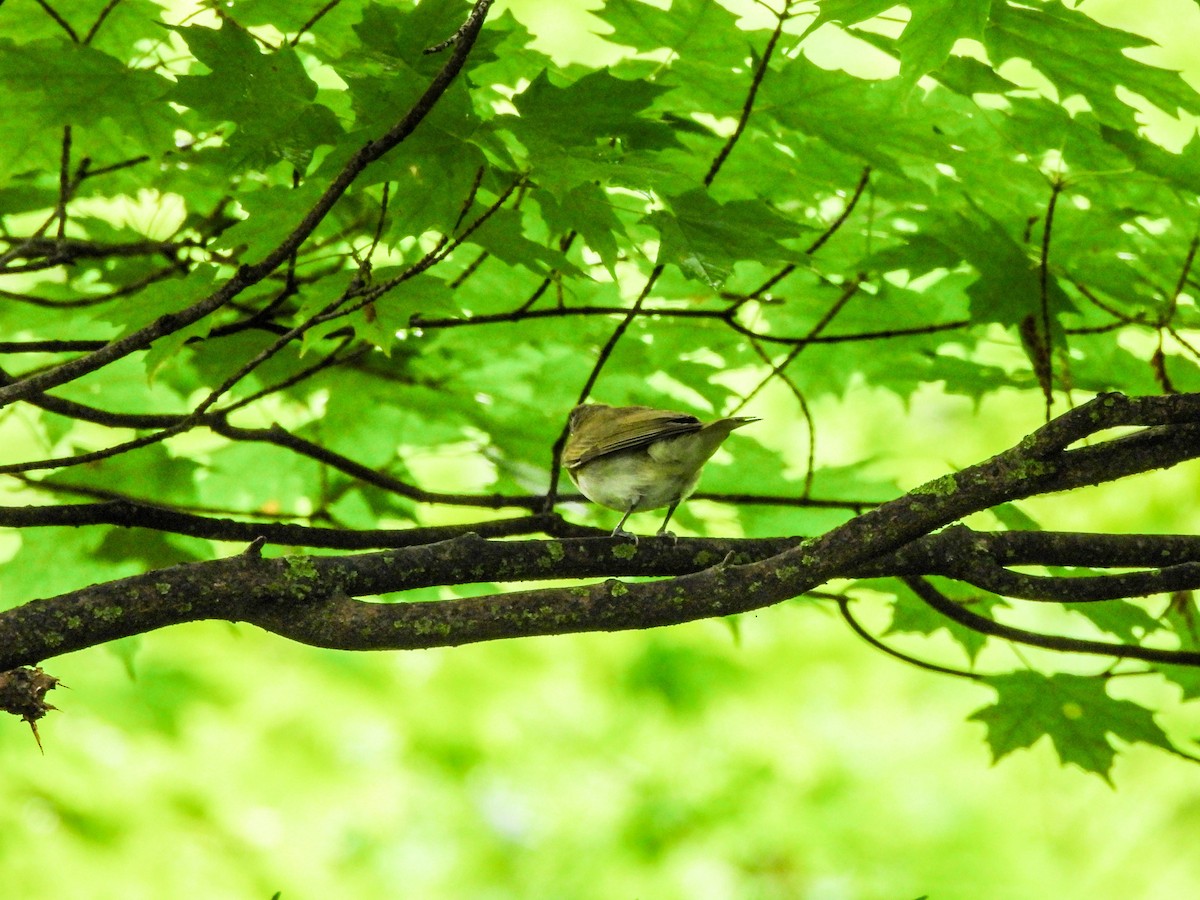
(620, 532)
(669, 535)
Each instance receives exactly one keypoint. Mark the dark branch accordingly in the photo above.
(310, 598)
(843, 604)
(958, 613)
(756, 80)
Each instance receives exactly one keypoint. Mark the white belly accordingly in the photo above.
(640, 479)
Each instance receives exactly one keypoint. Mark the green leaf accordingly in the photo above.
(129, 30)
(149, 472)
(596, 108)
(272, 213)
(883, 130)
(164, 298)
(502, 235)
(968, 76)
(1082, 57)
(396, 310)
(54, 560)
(406, 32)
(268, 96)
(1187, 678)
(1181, 169)
(1127, 621)
(705, 238)
(1076, 713)
(847, 12)
(152, 549)
(430, 176)
(1009, 285)
(588, 210)
(64, 83)
(693, 28)
(114, 110)
(933, 30)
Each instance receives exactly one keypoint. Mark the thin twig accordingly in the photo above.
(1044, 297)
(863, 180)
(383, 209)
(108, 8)
(848, 290)
(1185, 271)
(756, 80)
(313, 20)
(938, 601)
(843, 604)
(64, 183)
(811, 465)
(62, 23)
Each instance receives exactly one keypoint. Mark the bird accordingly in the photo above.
(634, 458)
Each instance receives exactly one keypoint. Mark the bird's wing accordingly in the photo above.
(638, 428)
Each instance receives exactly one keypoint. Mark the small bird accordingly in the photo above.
(632, 458)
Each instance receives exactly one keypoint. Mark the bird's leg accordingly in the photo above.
(662, 531)
(621, 532)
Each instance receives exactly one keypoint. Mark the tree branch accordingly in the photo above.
(958, 613)
(310, 599)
